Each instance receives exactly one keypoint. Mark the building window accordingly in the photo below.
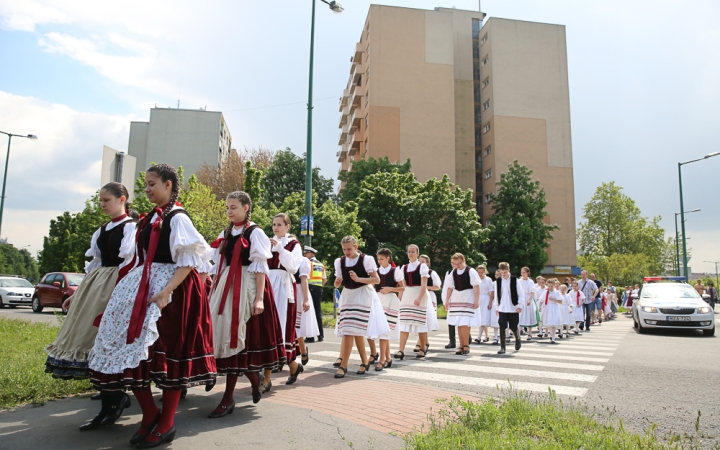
(487, 223)
(478, 137)
(484, 39)
(476, 28)
(488, 174)
(367, 50)
(486, 105)
(367, 76)
(485, 60)
(476, 92)
(478, 161)
(366, 121)
(476, 51)
(488, 150)
(476, 70)
(478, 117)
(486, 128)
(487, 198)
(486, 82)
(359, 83)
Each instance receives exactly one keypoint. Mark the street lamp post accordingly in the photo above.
(7, 160)
(337, 8)
(682, 209)
(677, 245)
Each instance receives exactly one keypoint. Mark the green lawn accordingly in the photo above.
(22, 366)
(523, 421)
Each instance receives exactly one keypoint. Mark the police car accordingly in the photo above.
(669, 302)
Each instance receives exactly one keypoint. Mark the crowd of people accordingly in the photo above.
(160, 305)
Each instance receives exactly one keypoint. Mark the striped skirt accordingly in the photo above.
(361, 313)
(391, 306)
(461, 309)
(412, 318)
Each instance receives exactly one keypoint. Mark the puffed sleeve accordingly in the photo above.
(260, 252)
(187, 247)
(305, 267)
(94, 253)
(449, 281)
(474, 277)
(399, 275)
(436, 279)
(424, 271)
(291, 260)
(369, 264)
(338, 269)
(127, 245)
(215, 256)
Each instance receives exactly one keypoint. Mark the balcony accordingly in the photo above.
(356, 95)
(343, 136)
(344, 99)
(358, 56)
(342, 154)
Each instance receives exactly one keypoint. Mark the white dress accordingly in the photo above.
(552, 314)
(528, 316)
(306, 325)
(282, 281)
(360, 312)
(111, 354)
(488, 317)
(391, 305)
(566, 314)
(431, 317)
(412, 318)
(222, 323)
(577, 299)
(461, 310)
(539, 296)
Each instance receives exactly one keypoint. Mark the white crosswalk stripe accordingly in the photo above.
(567, 368)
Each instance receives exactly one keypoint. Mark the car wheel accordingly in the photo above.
(710, 332)
(36, 306)
(635, 322)
(64, 311)
(2, 305)
(640, 328)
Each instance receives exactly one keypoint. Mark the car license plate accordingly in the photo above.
(678, 318)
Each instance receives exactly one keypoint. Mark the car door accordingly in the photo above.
(53, 293)
(42, 287)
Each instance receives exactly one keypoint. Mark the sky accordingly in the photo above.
(644, 91)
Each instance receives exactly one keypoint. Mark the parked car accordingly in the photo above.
(14, 291)
(669, 302)
(54, 289)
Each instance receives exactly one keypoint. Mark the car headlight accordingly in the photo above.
(704, 310)
(649, 309)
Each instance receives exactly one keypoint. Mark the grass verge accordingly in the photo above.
(519, 420)
(22, 366)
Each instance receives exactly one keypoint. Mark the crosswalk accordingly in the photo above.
(567, 368)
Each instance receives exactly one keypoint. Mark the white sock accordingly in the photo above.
(496, 331)
(552, 333)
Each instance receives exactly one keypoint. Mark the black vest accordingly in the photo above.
(109, 244)
(513, 289)
(387, 280)
(230, 246)
(413, 278)
(162, 253)
(358, 268)
(462, 282)
(430, 280)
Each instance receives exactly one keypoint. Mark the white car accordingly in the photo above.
(672, 305)
(15, 291)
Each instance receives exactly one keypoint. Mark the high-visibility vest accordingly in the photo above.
(317, 274)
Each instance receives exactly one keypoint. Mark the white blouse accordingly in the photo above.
(305, 268)
(291, 260)
(486, 286)
(398, 273)
(369, 264)
(127, 245)
(474, 278)
(259, 251)
(528, 286)
(435, 279)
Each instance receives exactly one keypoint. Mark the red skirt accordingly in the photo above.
(264, 347)
(183, 354)
(291, 342)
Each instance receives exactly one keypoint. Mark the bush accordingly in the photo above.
(22, 366)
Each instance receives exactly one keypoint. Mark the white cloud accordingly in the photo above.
(27, 14)
(24, 227)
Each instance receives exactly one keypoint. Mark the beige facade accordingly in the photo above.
(465, 100)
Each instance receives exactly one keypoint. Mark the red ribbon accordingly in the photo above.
(118, 219)
(578, 298)
(216, 243)
(547, 296)
(234, 278)
(140, 307)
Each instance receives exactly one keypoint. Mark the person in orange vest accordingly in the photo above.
(316, 281)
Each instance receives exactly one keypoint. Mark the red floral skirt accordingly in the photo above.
(183, 354)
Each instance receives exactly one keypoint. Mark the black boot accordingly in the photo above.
(518, 343)
(451, 332)
(97, 420)
(502, 341)
(117, 402)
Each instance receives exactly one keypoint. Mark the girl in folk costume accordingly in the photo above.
(286, 260)
(488, 308)
(413, 304)
(361, 313)
(567, 318)
(528, 316)
(248, 338)
(538, 297)
(463, 301)
(551, 314)
(391, 284)
(112, 248)
(609, 298)
(577, 299)
(434, 284)
(157, 325)
(306, 325)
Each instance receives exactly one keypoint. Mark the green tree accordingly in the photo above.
(518, 233)
(614, 225)
(395, 210)
(18, 262)
(207, 213)
(287, 175)
(253, 177)
(361, 168)
(621, 269)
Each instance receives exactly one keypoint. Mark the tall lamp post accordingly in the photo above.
(7, 160)
(682, 209)
(677, 244)
(337, 8)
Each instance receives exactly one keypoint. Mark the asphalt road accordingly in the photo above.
(26, 313)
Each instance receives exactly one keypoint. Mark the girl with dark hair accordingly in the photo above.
(248, 337)
(112, 248)
(157, 325)
(391, 284)
(434, 283)
(412, 317)
(286, 260)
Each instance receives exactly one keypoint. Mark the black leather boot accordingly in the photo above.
(503, 332)
(451, 332)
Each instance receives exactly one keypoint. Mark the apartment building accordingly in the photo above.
(465, 97)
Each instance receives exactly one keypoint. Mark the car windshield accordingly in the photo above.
(15, 282)
(75, 279)
(674, 291)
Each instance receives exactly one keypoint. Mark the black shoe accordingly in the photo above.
(338, 362)
(94, 423)
(416, 349)
(309, 340)
(501, 351)
(97, 396)
(139, 437)
(266, 387)
(518, 343)
(421, 354)
(294, 376)
(374, 357)
(341, 375)
(256, 394)
(388, 364)
(305, 358)
(363, 369)
(183, 394)
(224, 411)
(399, 355)
(164, 438)
(477, 341)
(209, 386)
(320, 339)
(116, 410)
(451, 344)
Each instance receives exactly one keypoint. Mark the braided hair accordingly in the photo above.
(244, 199)
(166, 172)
